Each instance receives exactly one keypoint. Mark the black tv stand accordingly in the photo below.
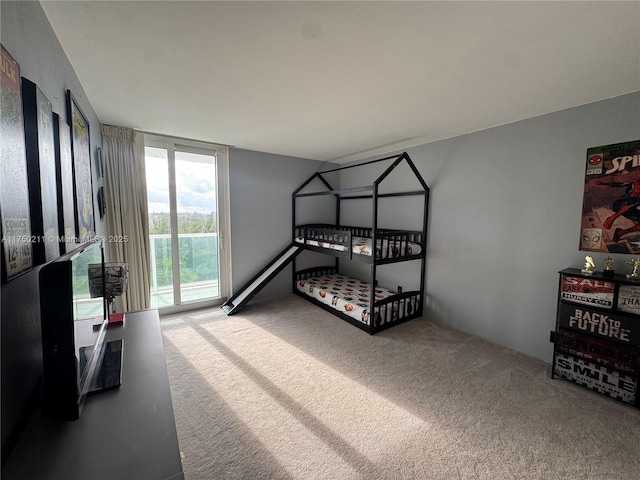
(98, 445)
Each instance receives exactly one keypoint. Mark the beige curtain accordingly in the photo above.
(126, 201)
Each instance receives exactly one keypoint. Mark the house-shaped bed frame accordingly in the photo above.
(361, 302)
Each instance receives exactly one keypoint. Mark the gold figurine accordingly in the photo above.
(636, 263)
(589, 265)
(608, 269)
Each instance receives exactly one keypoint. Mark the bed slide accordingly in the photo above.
(247, 292)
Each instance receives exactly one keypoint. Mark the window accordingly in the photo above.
(187, 194)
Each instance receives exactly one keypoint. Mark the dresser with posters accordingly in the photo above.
(597, 335)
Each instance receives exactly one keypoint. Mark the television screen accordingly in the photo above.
(73, 330)
(88, 314)
(84, 306)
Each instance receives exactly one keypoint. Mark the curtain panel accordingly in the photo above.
(127, 215)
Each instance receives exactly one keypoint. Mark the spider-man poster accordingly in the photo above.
(611, 205)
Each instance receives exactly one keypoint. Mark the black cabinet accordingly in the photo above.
(124, 433)
(597, 335)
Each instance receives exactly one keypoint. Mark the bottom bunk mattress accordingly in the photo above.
(351, 297)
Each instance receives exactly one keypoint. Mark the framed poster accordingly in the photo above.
(611, 201)
(102, 206)
(64, 174)
(83, 187)
(41, 171)
(14, 194)
(99, 166)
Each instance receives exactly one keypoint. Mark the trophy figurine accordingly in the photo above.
(634, 275)
(589, 265)
(608, 269)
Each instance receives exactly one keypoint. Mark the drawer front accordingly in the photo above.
(629, 299)
(606, 325)
(596, 377)
(592, 349)
(587, 291)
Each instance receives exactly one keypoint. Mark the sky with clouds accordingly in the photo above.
(195, 182)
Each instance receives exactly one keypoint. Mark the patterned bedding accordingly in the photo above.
(351, 296)
(362, 246)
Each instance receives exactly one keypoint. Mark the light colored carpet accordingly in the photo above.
(284, 390)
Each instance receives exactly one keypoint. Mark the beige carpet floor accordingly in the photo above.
(284, 390)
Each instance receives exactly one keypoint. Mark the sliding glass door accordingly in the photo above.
(187, 191)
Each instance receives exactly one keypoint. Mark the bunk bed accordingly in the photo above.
(362, 301)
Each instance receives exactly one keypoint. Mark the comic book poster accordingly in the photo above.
(15, 220)
(611, 202)
(81, 150)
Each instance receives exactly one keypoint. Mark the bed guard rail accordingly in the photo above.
(395, 244)
(399, 307)
(324, 238)
(314, 272)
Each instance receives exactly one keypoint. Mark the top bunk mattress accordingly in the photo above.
(385, 248)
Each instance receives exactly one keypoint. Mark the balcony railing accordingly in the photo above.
(198, 253)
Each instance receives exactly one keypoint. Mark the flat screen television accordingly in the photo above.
(74, 326)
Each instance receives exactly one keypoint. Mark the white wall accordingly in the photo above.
(261, 185)
(505, 216)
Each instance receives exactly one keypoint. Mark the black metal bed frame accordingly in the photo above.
(410, 303)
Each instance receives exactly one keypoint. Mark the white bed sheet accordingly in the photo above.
(362, 246)
(351, 296)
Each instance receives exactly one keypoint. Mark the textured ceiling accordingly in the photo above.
(343, 80)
